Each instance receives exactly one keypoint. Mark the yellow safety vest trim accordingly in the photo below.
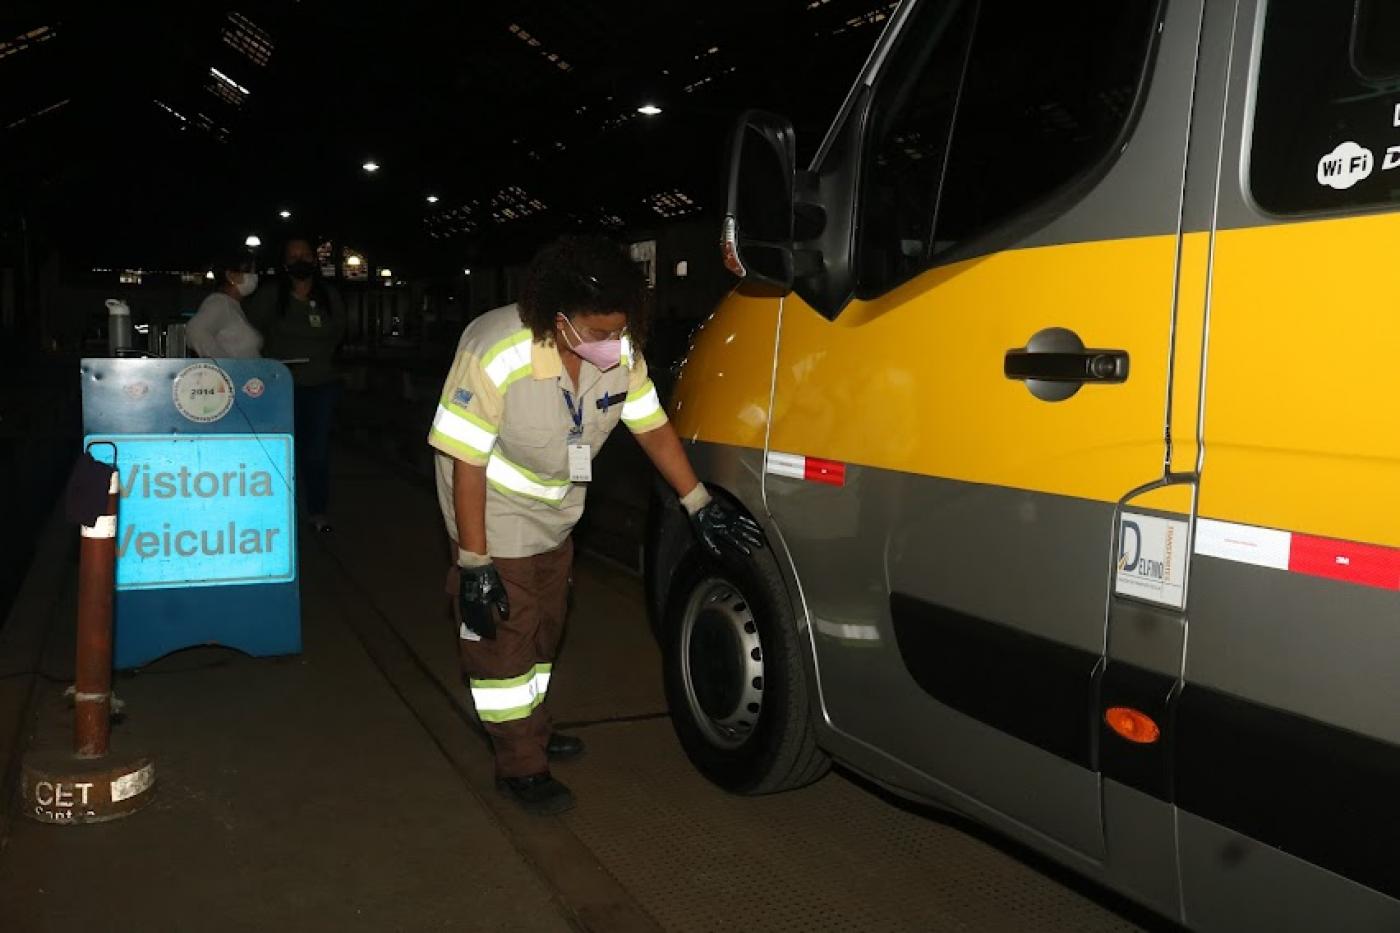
(642, 408)
(513, 479)
(508, 360)
(468, 430)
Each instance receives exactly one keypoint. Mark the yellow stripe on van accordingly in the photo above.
(1302, 417)
(722, 393)
(1190, 339)
(913, 381)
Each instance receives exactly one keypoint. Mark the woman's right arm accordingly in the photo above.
(469, 503)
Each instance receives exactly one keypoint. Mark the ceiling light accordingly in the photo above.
(386, 273)
(648, 110)
(209, 275)
(354, 261)
(253, 241)
(229, 82)
(466, 272)
(432, 199)
(371, 166)
(285, 215)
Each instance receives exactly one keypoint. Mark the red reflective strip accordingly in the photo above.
(1366, 564)
(830, 472)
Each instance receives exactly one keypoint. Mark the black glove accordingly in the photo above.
(478, 593)
(717, 524)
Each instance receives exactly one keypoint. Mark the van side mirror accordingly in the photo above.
(757, 238)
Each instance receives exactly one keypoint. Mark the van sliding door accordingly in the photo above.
(1288, 726)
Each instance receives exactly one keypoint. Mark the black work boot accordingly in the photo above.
(562, 746)
(537, 793)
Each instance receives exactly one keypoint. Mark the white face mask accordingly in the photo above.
(248, 284)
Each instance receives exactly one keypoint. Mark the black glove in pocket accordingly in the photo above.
(481, 600)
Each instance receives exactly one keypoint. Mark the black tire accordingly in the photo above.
(749, 736)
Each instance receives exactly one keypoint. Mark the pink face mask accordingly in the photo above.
(604, 354)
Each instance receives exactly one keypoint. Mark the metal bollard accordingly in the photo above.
(97, 554)
(90, 784)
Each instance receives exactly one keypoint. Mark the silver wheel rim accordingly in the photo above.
(722, 663)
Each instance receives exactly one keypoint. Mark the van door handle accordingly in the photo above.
(1054, 363)
(1084, 366)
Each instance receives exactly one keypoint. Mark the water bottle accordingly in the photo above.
(119, 330)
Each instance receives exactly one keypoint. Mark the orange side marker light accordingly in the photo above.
(1132, 725)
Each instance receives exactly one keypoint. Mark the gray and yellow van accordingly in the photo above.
(1065, 383)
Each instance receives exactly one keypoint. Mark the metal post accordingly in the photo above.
(90, 784)
(96, 581)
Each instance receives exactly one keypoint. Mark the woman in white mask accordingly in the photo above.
(219, 328)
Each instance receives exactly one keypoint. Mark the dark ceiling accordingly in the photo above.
(152, 134)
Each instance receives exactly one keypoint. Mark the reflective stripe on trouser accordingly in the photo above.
(512, 698)
(509, 675)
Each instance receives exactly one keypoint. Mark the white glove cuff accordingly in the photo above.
(467, 558)
(696, 499)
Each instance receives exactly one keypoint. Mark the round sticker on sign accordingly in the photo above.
(254, 388)
(136, 390)
(203, 393)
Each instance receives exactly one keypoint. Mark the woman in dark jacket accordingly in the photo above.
(303, 321)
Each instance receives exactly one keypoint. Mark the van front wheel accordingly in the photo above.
(734, 677)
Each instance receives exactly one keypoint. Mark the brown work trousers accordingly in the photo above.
(509, 674)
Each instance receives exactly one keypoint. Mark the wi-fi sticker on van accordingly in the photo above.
(1344, 166)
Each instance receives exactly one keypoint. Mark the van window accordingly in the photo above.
(1375, 51)
(1327, 107)
(1042, 98)
(907, 138)
(1049, 90)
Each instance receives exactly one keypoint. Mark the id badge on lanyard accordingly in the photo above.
(580, 454)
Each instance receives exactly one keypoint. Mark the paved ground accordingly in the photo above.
(349, 788)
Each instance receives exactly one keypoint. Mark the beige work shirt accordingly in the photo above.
(503, 407)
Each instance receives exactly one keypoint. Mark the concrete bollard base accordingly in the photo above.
(65, 790)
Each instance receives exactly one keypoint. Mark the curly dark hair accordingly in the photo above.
(230, 261)
(584, 275)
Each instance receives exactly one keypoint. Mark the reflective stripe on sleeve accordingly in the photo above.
(466, 429)
(512, 698)
(508, 360)
(642, 410)
(516, 480)
(626, 358)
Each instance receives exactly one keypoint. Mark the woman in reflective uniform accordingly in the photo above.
(534, 391)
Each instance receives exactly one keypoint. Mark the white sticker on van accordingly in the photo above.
(1152, 557)
(1245, 544)
(1344, 166)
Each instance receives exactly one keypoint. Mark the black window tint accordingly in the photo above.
(907, 143)
(1375, 49)
(1049, 89)
(1042, 97)
(1326, 118)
